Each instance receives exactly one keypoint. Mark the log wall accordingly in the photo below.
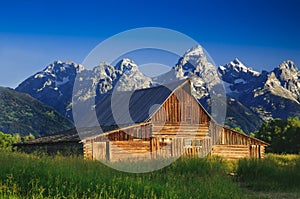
(119, 144)
(233, 145)
(231, 151)
(180, 146)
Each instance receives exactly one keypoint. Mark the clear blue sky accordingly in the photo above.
(35, 33)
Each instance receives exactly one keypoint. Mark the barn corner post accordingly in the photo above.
(108, 151)
(152, 142)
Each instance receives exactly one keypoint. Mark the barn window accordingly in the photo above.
(188, 143)
(139, 133)
(188, 110)
(197, 143)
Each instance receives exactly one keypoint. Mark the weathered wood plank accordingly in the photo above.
(231, 151)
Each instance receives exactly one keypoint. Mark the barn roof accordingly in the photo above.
(63, 136)
(70, 135)
(132, 107)
(248, 136)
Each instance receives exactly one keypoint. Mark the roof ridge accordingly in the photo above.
(154, 87)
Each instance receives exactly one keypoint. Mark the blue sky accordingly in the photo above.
(33, 34)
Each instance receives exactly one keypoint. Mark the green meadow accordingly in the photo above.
(32, 176)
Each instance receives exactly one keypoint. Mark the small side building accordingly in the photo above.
(65, 143)
(160, 122)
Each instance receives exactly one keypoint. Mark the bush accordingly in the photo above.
(7, 141)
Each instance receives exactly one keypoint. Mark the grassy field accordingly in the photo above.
(30, 176)
(276, 176)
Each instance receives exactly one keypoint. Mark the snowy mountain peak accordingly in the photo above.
(59, 66)
(57, 62)
(195, 51)
(274, 85)
(53, 85)
(289, 76)
(126, 65)
(104, 70)
(287, 71)
(237, 62)
(288, 65)
(237, 66)
(272, 81)
(194, 60)
(194, 64)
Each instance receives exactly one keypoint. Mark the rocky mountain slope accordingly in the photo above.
(54, 85)
(273, 94)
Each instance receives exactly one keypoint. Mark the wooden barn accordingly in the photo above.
(160, 122)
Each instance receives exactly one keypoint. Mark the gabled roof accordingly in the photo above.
(245, 135)
(124, 108)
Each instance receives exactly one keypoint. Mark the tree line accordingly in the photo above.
(282, 135)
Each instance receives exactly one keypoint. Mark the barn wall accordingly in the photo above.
(119, 144)
(180, 127)
(122, 150)
(215, 132)
(234, 145)
(231, 151)
(180, 146)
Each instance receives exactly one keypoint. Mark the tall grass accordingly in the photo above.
(29, 176)
(274, 173)
(32, 176)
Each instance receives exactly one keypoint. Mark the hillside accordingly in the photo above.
(240, 116)
(21, 113)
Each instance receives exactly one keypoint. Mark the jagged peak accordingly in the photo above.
(59, 65)
(197, 50)
(271, 77)
(238, 66)
(237, 61)
(103, 68)
(127, 61)
(194, 60)
(289, 65)
(126, 64)
(274, 85)
(57, 62)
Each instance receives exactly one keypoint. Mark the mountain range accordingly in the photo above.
(273, 94)
(252, 97)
